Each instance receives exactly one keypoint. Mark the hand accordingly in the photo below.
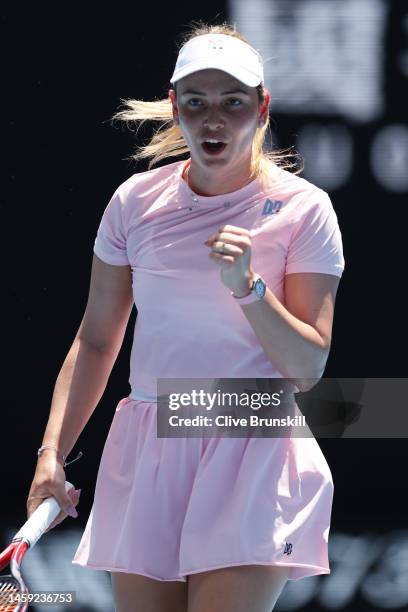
(235, 258)
(49, 481)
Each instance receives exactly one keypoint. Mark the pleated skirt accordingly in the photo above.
(169, 507)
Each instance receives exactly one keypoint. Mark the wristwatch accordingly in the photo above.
(256, 293)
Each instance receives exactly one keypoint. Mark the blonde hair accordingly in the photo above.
(167, 140)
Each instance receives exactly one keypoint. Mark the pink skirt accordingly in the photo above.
(169, 507)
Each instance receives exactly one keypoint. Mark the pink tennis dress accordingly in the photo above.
(169, 507)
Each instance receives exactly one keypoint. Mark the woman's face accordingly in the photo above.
(211, 104)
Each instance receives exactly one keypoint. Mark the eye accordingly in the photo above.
(192, 102)
(232, 100)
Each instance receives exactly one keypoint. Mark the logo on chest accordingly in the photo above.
(271, 207)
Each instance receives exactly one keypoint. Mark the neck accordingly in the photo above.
(211, 184)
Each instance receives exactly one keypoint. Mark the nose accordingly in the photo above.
(213, 120)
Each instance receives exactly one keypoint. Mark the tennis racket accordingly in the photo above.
(12, 585)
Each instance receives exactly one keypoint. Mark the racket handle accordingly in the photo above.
(41, 519)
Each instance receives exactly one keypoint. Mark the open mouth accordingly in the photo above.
(212, 147)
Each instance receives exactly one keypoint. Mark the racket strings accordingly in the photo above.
(8, 587)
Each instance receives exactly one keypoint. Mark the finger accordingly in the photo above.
(76, 498)
(32, 505)
(230, 230)
(65, 501)
(228, 248)
(221, 258)
(234, 229)
(233, 236)
(60, 517)
(63, 515)
(53, 524)
(74, 494)
(242, 241)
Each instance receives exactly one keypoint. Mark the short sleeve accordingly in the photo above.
(110, 241)
(316, 242)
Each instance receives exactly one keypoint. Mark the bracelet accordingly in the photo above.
(59, 454)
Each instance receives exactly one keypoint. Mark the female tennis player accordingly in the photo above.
(233, 263)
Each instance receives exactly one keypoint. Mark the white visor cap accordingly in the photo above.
(222, 52)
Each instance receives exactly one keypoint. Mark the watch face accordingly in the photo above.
(260, 288)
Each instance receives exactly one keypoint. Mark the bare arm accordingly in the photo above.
(85, 371)
(296, 334)
(89, 362)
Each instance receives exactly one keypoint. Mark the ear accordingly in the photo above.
(172, 96)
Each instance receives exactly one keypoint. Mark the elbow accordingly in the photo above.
(305, 384)
(309, 374)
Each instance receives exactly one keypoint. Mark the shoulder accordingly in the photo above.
(134, 196)
(142, 184)
(303, 197)
(291, 183)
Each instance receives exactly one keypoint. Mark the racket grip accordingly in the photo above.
(41, 519)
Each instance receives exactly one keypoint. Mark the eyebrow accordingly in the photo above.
(223, 93)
